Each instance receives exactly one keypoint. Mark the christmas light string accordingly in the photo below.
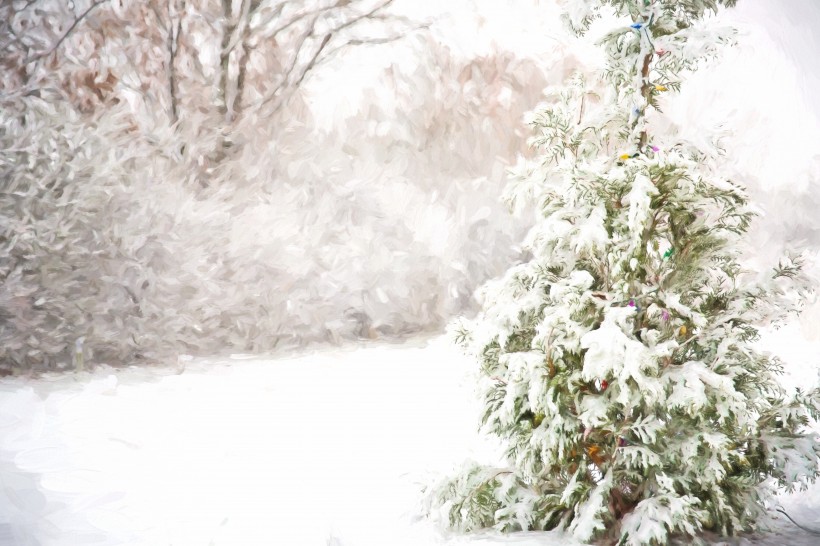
(643, 28)
(639, 27)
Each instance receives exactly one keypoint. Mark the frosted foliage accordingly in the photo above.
(611, 352)
(589, 520)
(618, 365)
(647, 524)
(150, 212)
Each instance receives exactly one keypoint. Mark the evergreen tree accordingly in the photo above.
(617, 365)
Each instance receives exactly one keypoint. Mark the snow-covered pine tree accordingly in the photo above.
(617, 365)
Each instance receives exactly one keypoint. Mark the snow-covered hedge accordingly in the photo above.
(118, 242)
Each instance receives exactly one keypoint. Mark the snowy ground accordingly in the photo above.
(325, 448)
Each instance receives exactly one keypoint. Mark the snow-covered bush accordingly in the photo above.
(64, 178)
(617, 366)
(142, 219)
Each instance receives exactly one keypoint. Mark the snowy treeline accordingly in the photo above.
(158, 200)
(171, 185)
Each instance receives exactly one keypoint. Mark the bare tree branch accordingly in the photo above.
(394, 18)
(172, 30)
(155, 8)
(287, 86)
(224, 57)
(301, 17)
(373, 14)
(276, 13)
(307, 68)
(302, 40)
(366, 15)
(173, 48)
(238, 103)
(240, 27)
(67, 33)
(7, 24)
(367, 41)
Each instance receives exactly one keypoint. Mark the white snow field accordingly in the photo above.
(326, 448)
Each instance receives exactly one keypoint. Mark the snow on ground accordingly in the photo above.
(312, 449)
(324, 448)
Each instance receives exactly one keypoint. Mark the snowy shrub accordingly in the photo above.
(618, 365)
(158, 201)
(65, 277)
